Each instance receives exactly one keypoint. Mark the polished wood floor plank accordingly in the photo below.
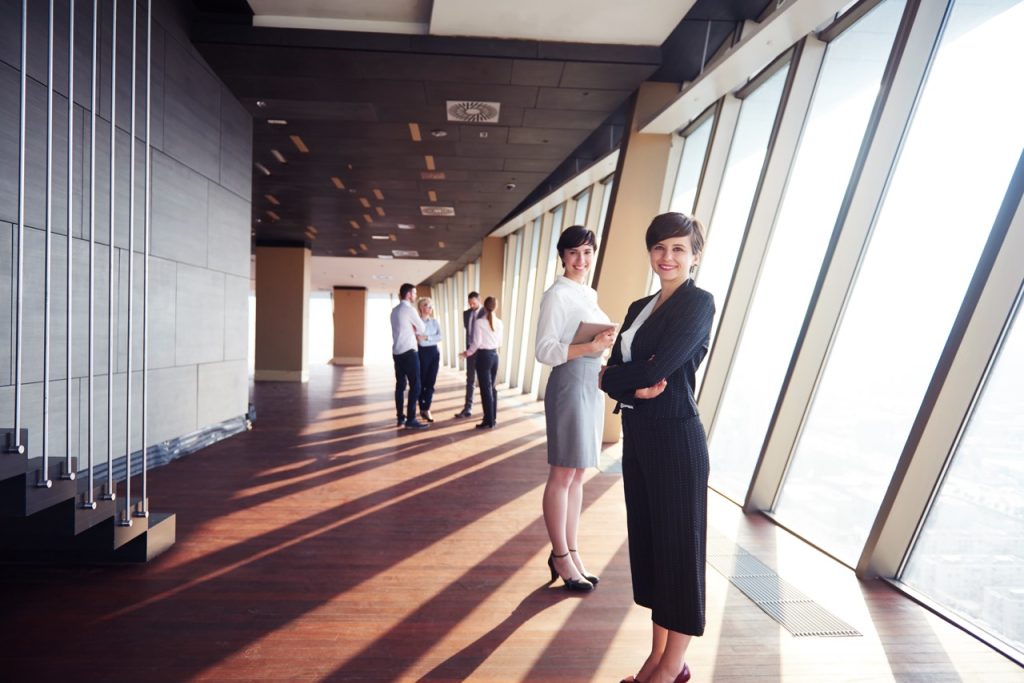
(326, 545)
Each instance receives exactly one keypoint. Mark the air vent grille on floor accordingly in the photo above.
(796, 612)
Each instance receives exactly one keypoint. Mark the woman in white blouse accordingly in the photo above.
(573, 402)
(486, 342)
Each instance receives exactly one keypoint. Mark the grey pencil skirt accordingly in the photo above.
(574, 413)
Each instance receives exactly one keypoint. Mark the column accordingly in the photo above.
(623, 267)
(282, 313)
(492, 266)
(349, 325)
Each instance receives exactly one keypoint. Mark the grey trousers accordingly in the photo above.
(470, 382)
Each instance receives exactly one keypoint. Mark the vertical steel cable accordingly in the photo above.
(110, 493)
(44, 476)
(15, 445)
(69, 469)
(126, 518)
(90, 502)
(143, 509)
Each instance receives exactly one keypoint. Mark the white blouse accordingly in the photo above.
(484, 337)
(627, 335)
(562, 308)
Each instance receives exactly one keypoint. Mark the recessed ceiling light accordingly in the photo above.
(379, 237)
(393, 237)
(380, 211)
(277, 155)
(405, 253)
(272, 199)
(355, 225)
(429, 160)
(277, 122)
(311, 228)
(337, 182)
(385, 256)
(378, 194)
(262, 104)
(299, 144)
(441, 244)
(405, 226)
(510, 186)
(353, 251)
(414, 132)
(432, 175)
(484, 134)
(432, 195)
(261, 168)
(365, 202)
(368, 218)
(437, 210)
(438, 133)
(363, 246)
(273, 216)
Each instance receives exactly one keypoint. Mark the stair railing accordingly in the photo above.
(14, 444)
(90, 501)
(110, 493)
(69, 468)
(143, 509)
(126, 515)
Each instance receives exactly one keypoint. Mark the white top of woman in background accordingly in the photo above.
(562, 308)
(484, 337)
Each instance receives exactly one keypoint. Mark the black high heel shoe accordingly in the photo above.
(579, 585)
(592, 579)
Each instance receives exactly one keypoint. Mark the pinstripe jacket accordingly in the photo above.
(671, 344)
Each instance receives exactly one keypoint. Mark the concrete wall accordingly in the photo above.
(200, 246)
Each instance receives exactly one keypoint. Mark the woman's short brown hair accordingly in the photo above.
(674, 224)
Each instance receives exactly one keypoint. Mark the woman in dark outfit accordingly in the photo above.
(664, 450)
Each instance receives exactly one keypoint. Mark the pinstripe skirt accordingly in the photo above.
(574, 413)
(665, 478)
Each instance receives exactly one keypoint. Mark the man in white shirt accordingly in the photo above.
(407, 329)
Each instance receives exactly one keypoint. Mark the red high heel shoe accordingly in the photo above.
(683, 676)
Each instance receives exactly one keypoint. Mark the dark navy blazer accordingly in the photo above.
(671, 344)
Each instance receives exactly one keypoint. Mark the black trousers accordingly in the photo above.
(487, 375)
(407, 371)
(665, 479)
(430, 359)
(470, 382)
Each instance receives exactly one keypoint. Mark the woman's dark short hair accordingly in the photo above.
(575, 236)
(674, 224)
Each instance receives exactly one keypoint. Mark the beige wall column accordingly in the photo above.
(492, 270)
(349, 325)
(623, 269)
(282, 313)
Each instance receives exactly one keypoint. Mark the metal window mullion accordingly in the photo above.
(14, 444)
(717, 156)
(523, 285)
(110, 493)
(69, 469)
(533, 303)
(898, 92)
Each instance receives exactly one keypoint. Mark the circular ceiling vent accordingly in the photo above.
(471, 111)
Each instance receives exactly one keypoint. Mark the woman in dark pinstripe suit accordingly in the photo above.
(664, 450)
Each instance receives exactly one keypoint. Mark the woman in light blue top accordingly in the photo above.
(429, 356)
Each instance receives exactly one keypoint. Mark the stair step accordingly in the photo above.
(159, 536)
(20, 496)
(12, 464)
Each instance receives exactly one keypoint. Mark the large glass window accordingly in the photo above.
(606, 197)
(582, 207)
(845, 93)
(515, 242)
(742, 171)
(952, 174)
(691, 163)
(531, 282)
(970, 553)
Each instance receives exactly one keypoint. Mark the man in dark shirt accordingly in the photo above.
(469, 317)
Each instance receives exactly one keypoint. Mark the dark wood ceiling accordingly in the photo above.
(355, 101)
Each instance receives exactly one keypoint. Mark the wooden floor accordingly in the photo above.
(327, 545)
